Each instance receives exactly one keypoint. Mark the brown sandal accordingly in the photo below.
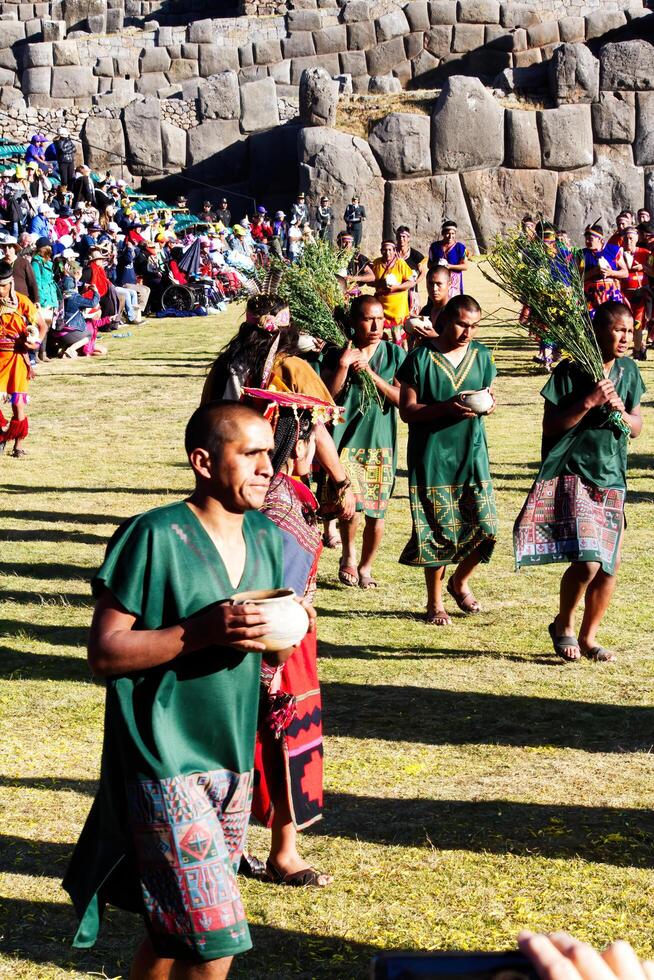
(464, 600)
(439, 617)
(307, 878)
(347, 575)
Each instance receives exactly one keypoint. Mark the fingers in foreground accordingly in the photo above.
(586, 960)
(548, 961)
(622, 960)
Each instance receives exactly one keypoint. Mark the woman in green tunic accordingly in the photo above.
(575, 509)
(366, 441)
(166, 831)
(450, 490)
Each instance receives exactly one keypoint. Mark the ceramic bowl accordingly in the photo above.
(288, 620)
(480, 402)
(414, 321)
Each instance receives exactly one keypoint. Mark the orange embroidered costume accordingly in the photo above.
(17, 313)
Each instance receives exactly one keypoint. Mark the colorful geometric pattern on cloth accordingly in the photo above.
(449, 522)
(373, 476)
(189, 833)
(565, 519)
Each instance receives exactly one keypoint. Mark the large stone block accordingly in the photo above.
(413, 45)
(11, 32)
(65, 53)
(216, 146)
(424, 67)
(327, 61)
(627, 65)
(360, 84)
(499, 198)
(339, 165)
(605, 189)
(259, 106)
(298, 45)
(417, 14)
(467, 37)
(649, 190)
(253, 73)
(644, 144)
(53, 30)
(115, 20)
(614, 117)
(220, 97)
(104, 68)
(390, 25)
(214, 59)
(73, 82)
(600, 22)
(438, 41)
(154, 83)
(245, 55)
(423, 204)
(572, 29)
(36, 81)
(76, 13)
(401, 144)
(467, 127)
(567, 137)
(173, 141)
(142, 123)
(35, 55)
(385, 56)
(361, 36)
(127, 64)
(518, 15)
(479, 12)
(573, 75)
(267, 52)
(385, 84)
(522, 140)
(303, 20)
(280, 73)
(273, 162)
(356, 10)
(200, 31)
(318, 97)
(331, 40)
(181, 69)
(103, 142)
(154, 59)
(353, 63)
(539, 35)
(7, 78)
(442, 11)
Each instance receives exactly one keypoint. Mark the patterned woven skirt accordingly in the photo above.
(565, 519)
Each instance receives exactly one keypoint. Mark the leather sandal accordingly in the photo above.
(307, 878)
(464, 600)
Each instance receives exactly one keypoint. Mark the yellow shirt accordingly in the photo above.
(396, 305)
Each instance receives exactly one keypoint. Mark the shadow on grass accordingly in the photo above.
(52, 535)
(16, 665)
(41, 932)
(50, 633)
(69, 518)
(139, 491)
(440, 717)
(47, 570)
(609, 835)
(50, 783)
(54, 600)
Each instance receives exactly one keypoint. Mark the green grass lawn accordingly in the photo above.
(474, 784)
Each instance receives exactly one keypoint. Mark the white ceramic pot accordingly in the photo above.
(288, 620)
(392, 280)
(480, 402)
(416, 321)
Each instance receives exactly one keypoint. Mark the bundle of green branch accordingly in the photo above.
(312, 289)
(549, 284)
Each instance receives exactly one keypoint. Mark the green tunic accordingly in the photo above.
(592, 450)
(575, 509)
(167, 828)
(450, 490)
(367, 443)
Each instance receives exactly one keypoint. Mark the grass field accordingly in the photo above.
(474, 784)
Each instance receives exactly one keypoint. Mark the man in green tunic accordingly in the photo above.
(166, 831)
(366, 439)
(575, 510)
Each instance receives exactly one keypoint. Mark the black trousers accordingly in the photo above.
(67, 173)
